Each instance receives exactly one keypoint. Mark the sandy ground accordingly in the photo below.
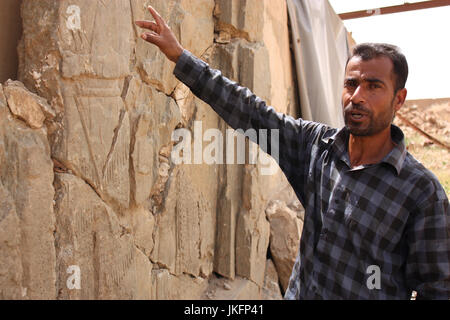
(434, 119)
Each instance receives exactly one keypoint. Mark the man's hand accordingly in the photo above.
(161, 36)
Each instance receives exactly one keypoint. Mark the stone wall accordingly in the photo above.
(88, 186)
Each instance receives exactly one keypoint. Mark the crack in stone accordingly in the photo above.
(91, 152)
(114, 142)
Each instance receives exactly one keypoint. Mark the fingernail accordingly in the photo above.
(144, 36)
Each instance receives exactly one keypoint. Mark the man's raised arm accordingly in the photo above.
(236, 105)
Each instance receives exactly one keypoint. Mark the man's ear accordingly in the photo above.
(400, 98)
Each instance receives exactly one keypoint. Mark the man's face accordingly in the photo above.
(369, 98)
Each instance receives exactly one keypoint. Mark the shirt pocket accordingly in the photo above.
(372, 227)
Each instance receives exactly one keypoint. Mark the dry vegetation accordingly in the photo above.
(434, 119)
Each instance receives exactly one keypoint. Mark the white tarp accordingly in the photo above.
(321, 52)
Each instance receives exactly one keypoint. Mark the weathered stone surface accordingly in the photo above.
(184, 287)
(10, 256)
(26, 173)
(24, 104)
(142, 226)
(252, 231)
(238, 289)
(229, 204)
(192, 22)
(89, 235)
(285, 230)
(184, 239)
(230, 180)
(254, 71)
(136, 224)
(271, 288)
(241, 18)
(95, 139)
(86, 48)
(152, 127)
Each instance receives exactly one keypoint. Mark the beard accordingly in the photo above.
(369, 124)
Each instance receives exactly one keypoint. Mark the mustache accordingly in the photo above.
(356, 107)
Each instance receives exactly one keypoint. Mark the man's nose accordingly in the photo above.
(358, 96)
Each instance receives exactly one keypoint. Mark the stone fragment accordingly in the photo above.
(26, 173)
(238, 289)
(24, 105)
(271, 288)
(252, 231)
(285, 230)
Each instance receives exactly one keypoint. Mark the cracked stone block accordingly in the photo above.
(252, 231)
(241, 18)
(137, 225)
(95, 141)
(27, 220)
(184, 239)
(142, 225)
(254, 69)
(285, 231)
(192, 23)
(152, 127)
(90, 236)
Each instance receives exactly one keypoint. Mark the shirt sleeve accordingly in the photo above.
(428, 263)
(241, 109)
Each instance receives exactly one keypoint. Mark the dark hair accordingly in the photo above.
(368, 51)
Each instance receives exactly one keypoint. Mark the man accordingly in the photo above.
(376, 222)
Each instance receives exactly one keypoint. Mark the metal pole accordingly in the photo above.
(394, 9)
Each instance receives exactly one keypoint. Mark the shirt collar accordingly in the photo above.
(395, 158)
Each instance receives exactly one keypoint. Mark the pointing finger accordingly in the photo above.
(159, 20)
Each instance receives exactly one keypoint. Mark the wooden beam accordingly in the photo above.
(394, 9)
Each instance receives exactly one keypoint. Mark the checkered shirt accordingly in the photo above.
(370, 232)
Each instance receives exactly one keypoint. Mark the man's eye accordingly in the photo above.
(374, 86)
(350, 84)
